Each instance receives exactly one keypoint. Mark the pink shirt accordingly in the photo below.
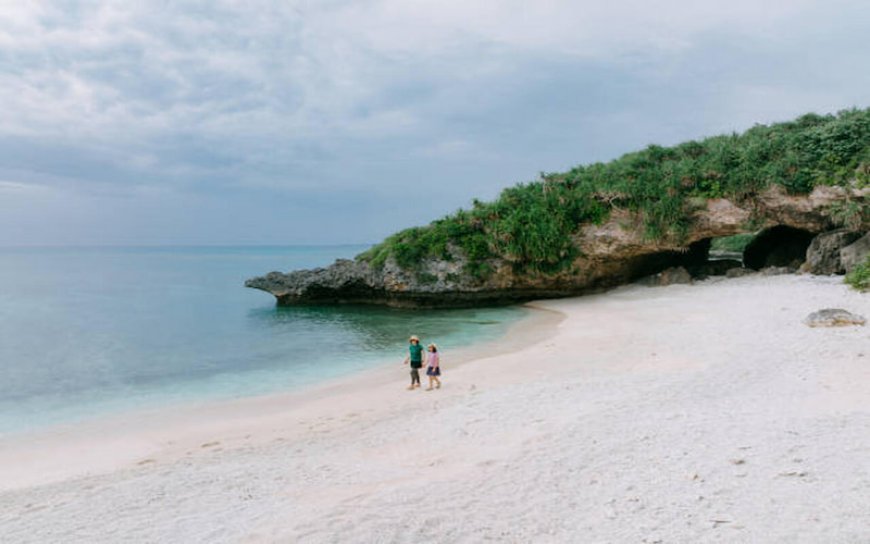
(433, 359)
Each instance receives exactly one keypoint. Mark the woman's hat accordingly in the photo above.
(433, 346)
(413, 337)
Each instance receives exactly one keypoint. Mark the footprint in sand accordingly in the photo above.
(146, 462)
(210, 444)
(34, 507)
(794, 473)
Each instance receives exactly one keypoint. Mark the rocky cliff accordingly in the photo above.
(613, 252)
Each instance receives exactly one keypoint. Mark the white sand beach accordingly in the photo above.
(702, 413)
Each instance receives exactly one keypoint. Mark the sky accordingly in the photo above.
(335, 121)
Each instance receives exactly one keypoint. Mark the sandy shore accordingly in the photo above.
(705, 413)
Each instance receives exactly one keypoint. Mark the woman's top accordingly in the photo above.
(433, 359)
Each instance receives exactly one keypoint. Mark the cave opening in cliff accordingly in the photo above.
(694, 257)
(779, 246)
(730, 247)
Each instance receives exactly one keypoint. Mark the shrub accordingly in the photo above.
(850, 214)
(859, 277)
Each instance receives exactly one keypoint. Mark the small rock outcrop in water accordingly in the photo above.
(833, 317)
(823, 254)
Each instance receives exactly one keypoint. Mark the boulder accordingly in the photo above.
(855, 253)
(823, 253)
(669, 276)
(833, 317)
(718, 267)
(777, 270)
(740, 272)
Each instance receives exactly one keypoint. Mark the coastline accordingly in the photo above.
(702, 413)
(110, 442)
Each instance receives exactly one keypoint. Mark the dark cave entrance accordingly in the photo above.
(779, 246)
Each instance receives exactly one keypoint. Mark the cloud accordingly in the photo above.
(18, 188)
(136, 71)
(387, 96)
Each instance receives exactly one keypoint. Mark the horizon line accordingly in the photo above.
(155, 246)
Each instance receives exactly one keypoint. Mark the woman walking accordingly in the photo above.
(433, 370)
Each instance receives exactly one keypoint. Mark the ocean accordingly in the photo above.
(92, 331)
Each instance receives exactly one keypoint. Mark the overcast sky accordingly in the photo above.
(218, 122)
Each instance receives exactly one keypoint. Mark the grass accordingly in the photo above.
(859, 277)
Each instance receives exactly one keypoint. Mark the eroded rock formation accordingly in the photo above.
(855, 253)
(609, 254)
(833, 317)
(823, 254)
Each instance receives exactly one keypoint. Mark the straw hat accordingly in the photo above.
(413, 338)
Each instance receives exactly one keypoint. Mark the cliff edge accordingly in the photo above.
(603, 225)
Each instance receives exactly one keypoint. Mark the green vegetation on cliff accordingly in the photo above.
(531, 224)
(732, 244)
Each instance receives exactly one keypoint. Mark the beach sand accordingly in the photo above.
(702, 413)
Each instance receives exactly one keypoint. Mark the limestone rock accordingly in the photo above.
(718, 267)
(855, 253)
(777, 270)
(823, 253)
(833, 317)
(609, 254)
(669, 276)
(740, 272)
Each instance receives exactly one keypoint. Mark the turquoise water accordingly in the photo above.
(91, 331)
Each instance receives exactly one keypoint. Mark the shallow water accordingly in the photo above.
(90, 331)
